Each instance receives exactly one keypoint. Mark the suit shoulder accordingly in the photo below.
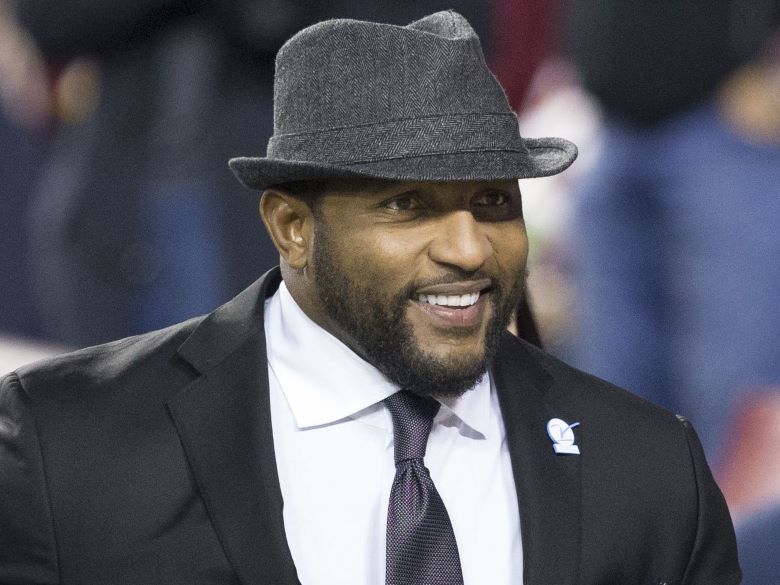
(105, 364)
(595, 395)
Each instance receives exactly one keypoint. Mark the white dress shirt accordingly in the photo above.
(333, 439)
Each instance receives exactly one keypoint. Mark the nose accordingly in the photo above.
(460, 241)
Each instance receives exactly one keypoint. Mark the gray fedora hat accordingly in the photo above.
(415, 102)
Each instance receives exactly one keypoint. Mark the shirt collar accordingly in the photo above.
(301, 352)
(473, 407)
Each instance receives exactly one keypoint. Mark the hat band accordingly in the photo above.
(447, 134)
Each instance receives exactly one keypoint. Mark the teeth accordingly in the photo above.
(450, 300)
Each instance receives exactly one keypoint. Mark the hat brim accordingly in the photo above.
(545, 157)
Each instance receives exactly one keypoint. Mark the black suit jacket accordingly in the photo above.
(151, 460)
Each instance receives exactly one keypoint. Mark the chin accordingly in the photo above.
(458, 356)
(454, 345)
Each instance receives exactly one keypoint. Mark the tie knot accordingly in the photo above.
(412, 421)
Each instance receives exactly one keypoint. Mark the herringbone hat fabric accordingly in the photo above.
(415, 102)
(421, 547)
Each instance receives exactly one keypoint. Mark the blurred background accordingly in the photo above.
(655, 259)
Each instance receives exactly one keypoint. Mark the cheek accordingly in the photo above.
(510, 243)
(389, 250)
(391, 257)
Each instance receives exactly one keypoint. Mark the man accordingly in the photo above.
(282, 438)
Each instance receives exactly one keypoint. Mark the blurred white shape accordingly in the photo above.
(557, 106)
(18, 352)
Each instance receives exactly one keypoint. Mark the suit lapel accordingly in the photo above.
(224, 422)
(548, 485)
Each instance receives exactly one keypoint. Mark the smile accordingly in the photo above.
(464, 300)
(454, 306)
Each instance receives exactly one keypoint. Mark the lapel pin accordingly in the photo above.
(562, 436)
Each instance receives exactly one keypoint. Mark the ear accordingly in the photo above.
(290, 223)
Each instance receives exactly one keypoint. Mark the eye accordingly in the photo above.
(496, 205)
(491, 199)
(405, 202)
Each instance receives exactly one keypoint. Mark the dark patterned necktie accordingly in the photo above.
(421, 547)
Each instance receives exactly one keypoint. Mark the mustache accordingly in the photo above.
(455, 276)
(451, 277)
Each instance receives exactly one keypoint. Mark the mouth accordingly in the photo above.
(458, 305)
(452, 301)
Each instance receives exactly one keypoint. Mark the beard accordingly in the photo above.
(380, 332)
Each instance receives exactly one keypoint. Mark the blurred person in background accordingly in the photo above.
(137, 224)
(24, 115)
(543, 88)
(133, 226)
(677, 238)
(527, 29)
